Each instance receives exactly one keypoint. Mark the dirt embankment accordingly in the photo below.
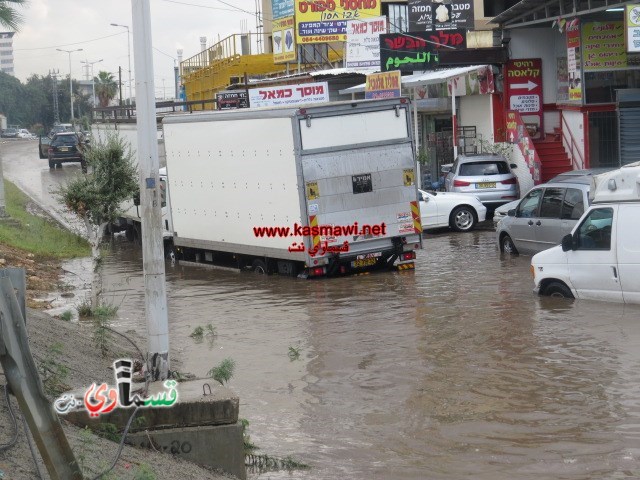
(55, 342)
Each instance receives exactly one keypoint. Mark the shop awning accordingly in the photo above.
(428, 78)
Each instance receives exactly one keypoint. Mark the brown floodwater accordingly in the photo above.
(456, 370)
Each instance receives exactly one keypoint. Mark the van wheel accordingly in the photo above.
(558, 290)
(507, 246)
(260, 267)
(463, 219)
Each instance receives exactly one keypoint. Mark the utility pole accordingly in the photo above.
(129, 53)
(149, 164)
(120, 83)
(93, 83)
(70, 81)
(54, 80)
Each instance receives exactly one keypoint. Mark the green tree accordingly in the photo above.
(8, 16)
(11, 19)
(106, 88)
(96, 197)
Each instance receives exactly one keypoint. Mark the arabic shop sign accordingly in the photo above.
(284, 43)
(382, 85)
(321, 21)
(425, 15)
(603, 46)
(232, 100)
(281, 9)
(289, 95)
(363, 42)
(416, 51)
(101, 399)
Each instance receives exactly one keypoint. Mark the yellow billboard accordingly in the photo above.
(284, 40)
(322, 21)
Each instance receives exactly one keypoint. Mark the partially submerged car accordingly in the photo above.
(458, 212)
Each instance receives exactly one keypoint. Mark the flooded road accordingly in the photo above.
(456, 370)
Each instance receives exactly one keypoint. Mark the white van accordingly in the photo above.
(600, 258)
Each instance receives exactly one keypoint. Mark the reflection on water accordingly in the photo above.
(456, 370)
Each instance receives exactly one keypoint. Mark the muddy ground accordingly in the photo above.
(53, 342)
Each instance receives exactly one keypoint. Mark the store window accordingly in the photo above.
(398, 15)
(600, 87)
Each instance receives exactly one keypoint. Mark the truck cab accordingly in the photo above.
(600, 258)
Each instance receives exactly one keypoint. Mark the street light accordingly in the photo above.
(93, 85)
(129, 50)
(70, 84)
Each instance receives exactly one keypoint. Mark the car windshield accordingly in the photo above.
(64, 140)
(473, 169)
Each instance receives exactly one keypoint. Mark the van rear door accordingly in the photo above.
(628, 232)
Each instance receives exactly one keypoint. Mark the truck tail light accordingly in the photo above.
(316, 271)
(461, 183)
(510, 181)
(408, 256)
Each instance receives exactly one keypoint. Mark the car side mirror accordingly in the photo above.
(511, 213)
(567, 243)
(513, 165)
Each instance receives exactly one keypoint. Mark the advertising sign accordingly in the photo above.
(425, 15)
(632, 28)
(363, 42)
(289, 95)
(232, 100)
(416, 51)
(321, 21)
(574, 60)
(382, 85)
(524, 91)
(284, 42)
(603, 46)
(281, 9)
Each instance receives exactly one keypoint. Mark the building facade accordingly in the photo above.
(6, 52)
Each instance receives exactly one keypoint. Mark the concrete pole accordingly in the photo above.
(152, 246)
(70, 82)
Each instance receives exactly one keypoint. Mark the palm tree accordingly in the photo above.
(11, 19)
(8, 16)
(106, 88)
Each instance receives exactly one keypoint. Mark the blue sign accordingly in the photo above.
(281, 8)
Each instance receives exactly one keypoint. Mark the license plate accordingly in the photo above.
(366, 262)
(369, 255)
(63, 149)
(486, 185)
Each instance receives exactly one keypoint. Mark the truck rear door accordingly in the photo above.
(358, 170)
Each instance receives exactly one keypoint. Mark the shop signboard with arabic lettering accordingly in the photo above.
(417, 51)
(281, 9)
(289, 95)
(363, 42)
(425, 15)
(321, 21)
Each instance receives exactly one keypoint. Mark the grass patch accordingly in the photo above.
(224, 371)
(34, 234)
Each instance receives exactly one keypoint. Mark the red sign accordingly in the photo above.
(524, 92)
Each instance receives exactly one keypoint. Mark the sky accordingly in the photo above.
(73, 24)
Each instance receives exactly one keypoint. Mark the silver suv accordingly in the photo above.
(544, 215)
(486, 176)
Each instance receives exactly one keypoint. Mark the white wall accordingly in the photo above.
(545, 43)
(475, 111)
(575, 122)
(525, 179)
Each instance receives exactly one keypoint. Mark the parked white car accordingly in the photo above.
(461, 212)
(24, 133)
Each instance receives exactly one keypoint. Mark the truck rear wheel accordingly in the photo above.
(260, 267)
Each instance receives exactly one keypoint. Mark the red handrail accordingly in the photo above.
(572, 143)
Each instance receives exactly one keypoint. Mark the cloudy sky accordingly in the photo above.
(73, 24)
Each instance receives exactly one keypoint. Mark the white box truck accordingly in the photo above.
(312, 191)
(600, 258)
